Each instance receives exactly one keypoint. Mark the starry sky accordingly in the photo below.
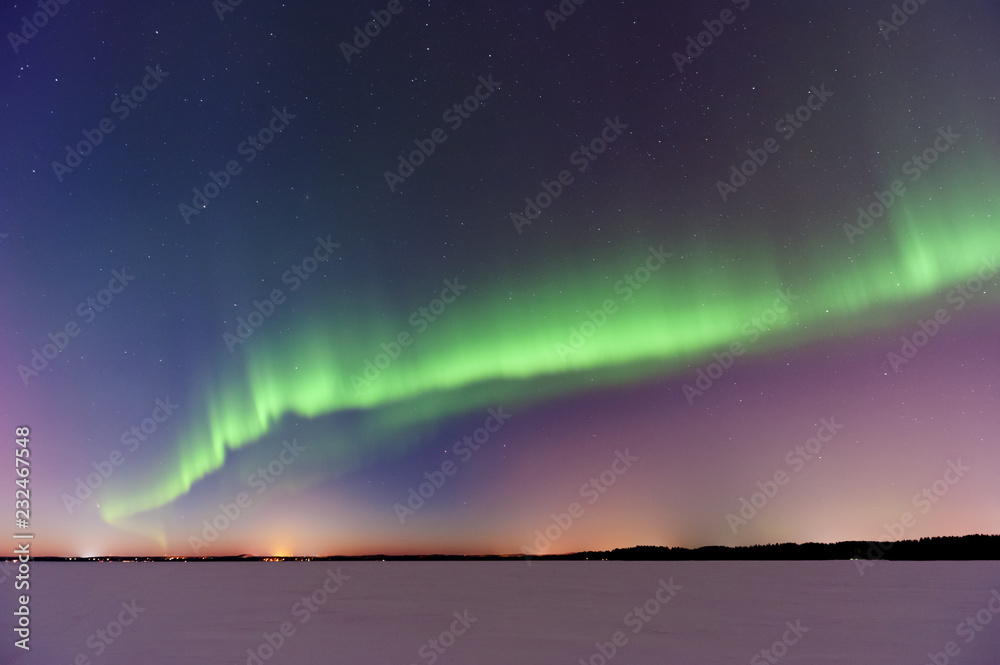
(528, 277)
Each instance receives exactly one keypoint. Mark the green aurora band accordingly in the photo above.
(494, 348)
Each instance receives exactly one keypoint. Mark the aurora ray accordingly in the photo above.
(490, 349)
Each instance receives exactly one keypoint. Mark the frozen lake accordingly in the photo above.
(507, 612)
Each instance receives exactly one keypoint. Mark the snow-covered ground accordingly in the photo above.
(468, 613)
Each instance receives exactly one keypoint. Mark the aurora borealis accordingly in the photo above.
(330, 347)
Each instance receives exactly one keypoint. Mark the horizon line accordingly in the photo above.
(513, 556)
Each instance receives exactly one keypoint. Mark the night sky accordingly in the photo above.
(493, 278)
